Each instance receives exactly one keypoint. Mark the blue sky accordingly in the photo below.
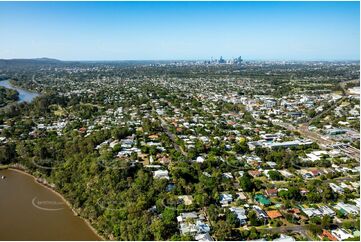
(180, 30)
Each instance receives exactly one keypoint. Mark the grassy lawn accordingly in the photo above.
(2, 167)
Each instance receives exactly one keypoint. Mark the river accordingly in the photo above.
(30, 211)
(24, 95)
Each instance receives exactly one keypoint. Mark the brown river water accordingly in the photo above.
(30, 211)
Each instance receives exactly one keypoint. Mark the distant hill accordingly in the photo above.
(44, 61)
(28, 62)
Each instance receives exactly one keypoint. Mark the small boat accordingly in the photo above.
(3, 177)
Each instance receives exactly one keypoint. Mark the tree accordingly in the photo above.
(275, 175)
(232, 219)
(326, 222)
(313, 197)
(291, 193)
(202, 199)
(157, 228)
(253, 234)
(253, 219)
(212, 212)
(7, 153)
(168, 216)
(246, 183)
(222, 230)
(315, 229)
(177, 237)
(120, 133)
(327, 194)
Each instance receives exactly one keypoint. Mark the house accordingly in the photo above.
(203, 237)
(189, 215)
(304, 192)
(266, 172)
(161, 174)
(325, 210)
(82, 130)
(311, 212)
(315, 172)
(341, 234)
(241, 214)
(336, 189)
(271, 137)
(153, 136)
(326, 233)
(336, 131)
(347, 208)
(345, 186)
(226, 199)
(316, 155)
(286, 173)
(294, 213)
(202, 227)
(260, 213)
(227, 175)
(294, 210)
(192, 223)
(271, 192)
(286, 144)
(185, 199)
(255, 173)
(113, 143)
(164, 160)
(253, 160)
(206, 174)
(188, 228)
(284, 237)
(200, 159)
(271, 164)
(241, 196)
(321, 211)
(358, 202)
(272, 214)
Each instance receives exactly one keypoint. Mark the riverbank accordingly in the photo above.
(46, 185)
(24, 94)
(13, 84)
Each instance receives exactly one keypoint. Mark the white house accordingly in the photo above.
(161, 174)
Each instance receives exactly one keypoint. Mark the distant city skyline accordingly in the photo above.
(180, 30)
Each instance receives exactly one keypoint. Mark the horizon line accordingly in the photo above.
(203, 59)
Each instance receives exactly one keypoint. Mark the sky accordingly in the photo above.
(180, 30)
